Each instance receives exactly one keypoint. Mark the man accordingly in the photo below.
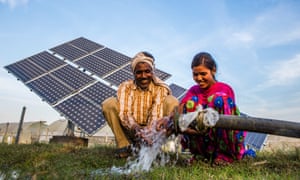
(139, 103)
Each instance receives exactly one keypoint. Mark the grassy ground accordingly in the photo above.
(52, 161)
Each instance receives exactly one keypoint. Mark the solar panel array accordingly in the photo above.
(75, 77)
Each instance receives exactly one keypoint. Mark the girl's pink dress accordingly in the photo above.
(215, 143)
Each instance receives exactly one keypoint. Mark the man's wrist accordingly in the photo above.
(135, 127)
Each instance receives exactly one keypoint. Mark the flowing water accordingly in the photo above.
(151, 154)
(147, 156)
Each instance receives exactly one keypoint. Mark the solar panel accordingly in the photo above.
(128, 68)
(86, 45)
(96, 65)
(68, 51)
(162, 75)
(46, 61)
(25, 70)
(82, 112)
(177, 90)
(255, 140)
(112, 56)
(118, 77)
(73, 77)
(98, 92)
(49, 89)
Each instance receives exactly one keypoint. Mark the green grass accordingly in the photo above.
(53, 161)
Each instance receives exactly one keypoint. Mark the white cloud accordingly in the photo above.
(14, 3)
(281, 24)
(274, 26)
(242, 37)
(284, 72)
(281, 107)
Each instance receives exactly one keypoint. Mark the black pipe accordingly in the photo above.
(262, 125)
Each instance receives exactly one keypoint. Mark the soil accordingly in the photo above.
(281, 142)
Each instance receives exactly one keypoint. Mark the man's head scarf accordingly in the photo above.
(141, 57)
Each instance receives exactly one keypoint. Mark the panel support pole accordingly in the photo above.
(20, 125)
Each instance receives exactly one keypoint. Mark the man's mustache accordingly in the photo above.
(142, 79)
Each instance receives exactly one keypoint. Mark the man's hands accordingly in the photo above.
(144, 135)
(166, 124)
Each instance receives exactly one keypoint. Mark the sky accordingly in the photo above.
(256, 45)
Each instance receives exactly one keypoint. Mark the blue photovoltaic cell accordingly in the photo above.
(83, 113)
(255, 140)
(177, 91)
(68, 51)
(162, 75)
(25, 70)
(98, 92)
(96, 65)
(73, 77)
(49, 89)
(86, 45)
(127, 68)
(112, 56)
(46, 61)
(118, 77)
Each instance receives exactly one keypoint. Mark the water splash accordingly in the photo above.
(149, 153)
(147, 156)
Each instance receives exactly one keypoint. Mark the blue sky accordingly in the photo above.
(255, 43)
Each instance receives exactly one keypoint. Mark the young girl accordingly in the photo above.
(219, 146)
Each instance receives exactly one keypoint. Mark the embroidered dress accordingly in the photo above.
(215, 143)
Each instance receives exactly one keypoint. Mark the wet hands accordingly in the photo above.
(148, 135)
(166, 124)
(143, 135)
